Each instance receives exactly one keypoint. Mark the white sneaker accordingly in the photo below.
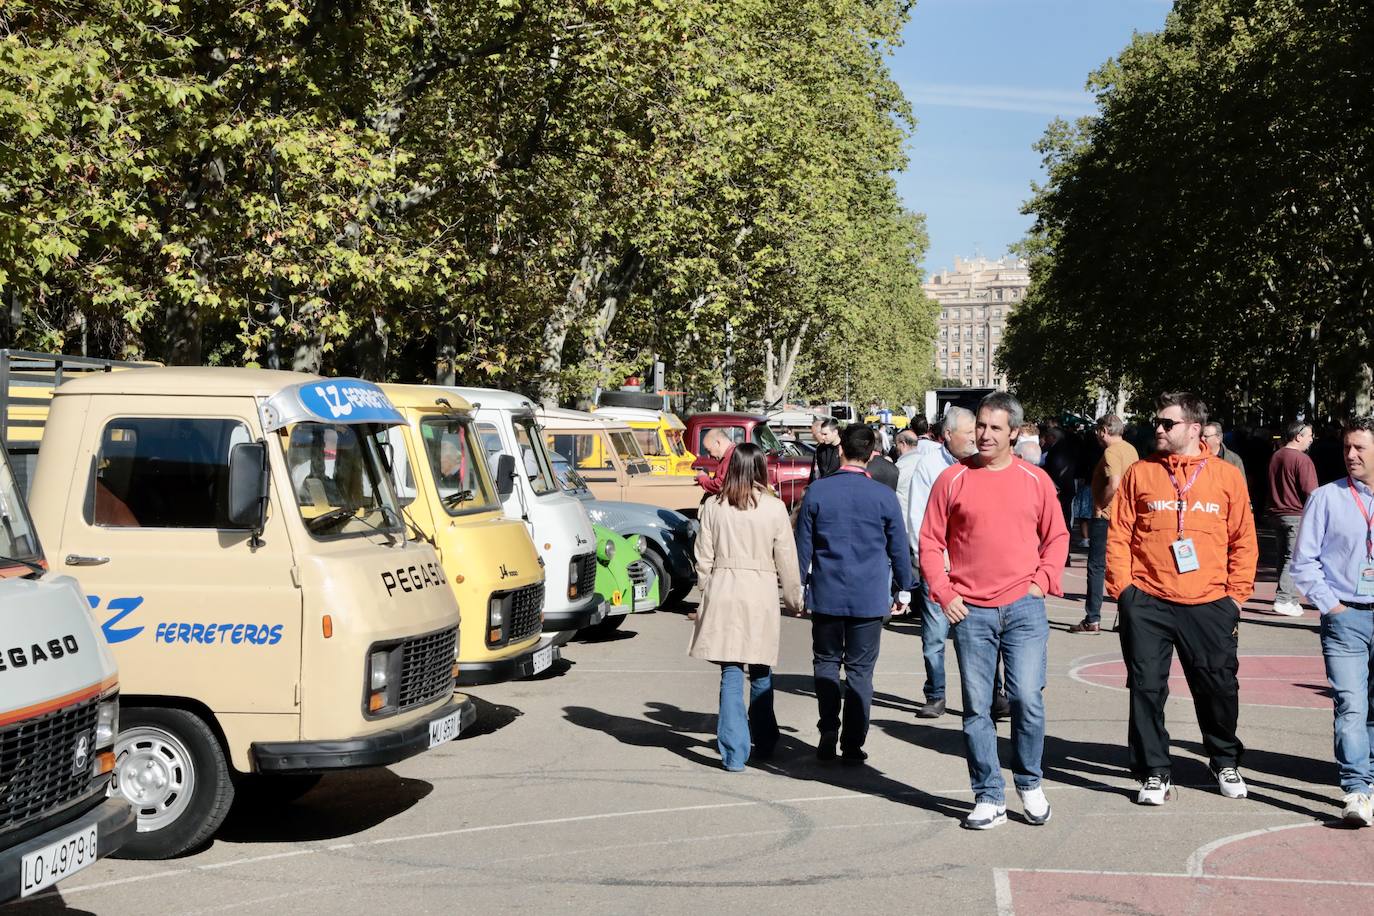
(985, 816)
(1359, 810)
(1155, 790)
(1230, 783)
(1035, 805)
(1287, 609)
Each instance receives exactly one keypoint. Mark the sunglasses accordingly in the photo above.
(1167, 424)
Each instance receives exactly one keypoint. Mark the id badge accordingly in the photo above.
(1185, 555)
(1364, 585)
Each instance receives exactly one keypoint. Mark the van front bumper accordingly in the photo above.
(374, 750)
(505, 669)
(588, 614)
(114, 824)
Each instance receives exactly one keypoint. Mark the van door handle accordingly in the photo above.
(76, 559)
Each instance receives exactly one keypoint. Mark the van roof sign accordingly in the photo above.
(335, 400)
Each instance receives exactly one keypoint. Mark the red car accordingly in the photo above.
(788, 466)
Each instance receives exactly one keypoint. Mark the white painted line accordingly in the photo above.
(1001, 886)
(1197, 860)
(1325, 882)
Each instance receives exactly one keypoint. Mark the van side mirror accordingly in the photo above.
(505, 475)
(247, 508)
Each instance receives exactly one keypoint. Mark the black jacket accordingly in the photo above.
(826, 461)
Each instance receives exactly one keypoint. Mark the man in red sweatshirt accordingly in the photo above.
(998, 519)
(1181, 555)
(719, 447)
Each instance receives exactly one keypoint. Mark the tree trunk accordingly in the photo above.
(618, 290)
(779, 369)
(584, 280)
(445, 355)
(184, 327)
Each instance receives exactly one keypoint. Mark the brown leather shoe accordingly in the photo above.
(1086, 626)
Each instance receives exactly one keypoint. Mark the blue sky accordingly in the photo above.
(985, 77)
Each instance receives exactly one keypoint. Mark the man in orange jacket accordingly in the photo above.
(1181, 555)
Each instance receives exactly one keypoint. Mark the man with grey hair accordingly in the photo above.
(907, 458)
(1117, 456)
(998, 520)
(957, 432)
(1212, 435)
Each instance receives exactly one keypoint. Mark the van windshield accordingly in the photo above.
(339, 480)
(18, 543)
(458, 465)
(533, 458)
(628, 450)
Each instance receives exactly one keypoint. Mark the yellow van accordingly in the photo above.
(241, 545)
(660, 436)
(439, 468)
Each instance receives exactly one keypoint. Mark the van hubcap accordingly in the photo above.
(153, 771)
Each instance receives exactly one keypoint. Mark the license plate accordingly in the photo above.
(49, 865)
(642, 592)
(445, 729)
(543, 658)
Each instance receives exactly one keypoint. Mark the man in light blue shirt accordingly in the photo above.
(1333, 565)
(959, 443)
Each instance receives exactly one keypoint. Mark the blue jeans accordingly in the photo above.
(739, 731)
(1348, 647)
(934, 632)
(1020, 631)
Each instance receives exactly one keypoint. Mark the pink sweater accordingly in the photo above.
(1004, 531)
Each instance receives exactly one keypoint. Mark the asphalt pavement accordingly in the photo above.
(597, 788)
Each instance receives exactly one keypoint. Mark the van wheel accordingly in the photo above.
(275, 788)
(169, 766)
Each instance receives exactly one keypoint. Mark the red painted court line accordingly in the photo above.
(1035, 893)
(1265, 680)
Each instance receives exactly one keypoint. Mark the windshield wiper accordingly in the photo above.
(321, 522)
(458, 498)
(37, 569)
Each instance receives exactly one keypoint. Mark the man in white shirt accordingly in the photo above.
(959, 442)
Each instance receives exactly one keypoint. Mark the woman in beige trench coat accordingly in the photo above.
(745, 548)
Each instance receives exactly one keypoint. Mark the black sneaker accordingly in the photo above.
(853, 756)
(825, 750)
(931, 709)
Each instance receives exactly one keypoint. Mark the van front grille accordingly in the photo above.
(45, 762)
(525, 607)
(426, 669)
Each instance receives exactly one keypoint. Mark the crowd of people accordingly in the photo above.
(967, 525)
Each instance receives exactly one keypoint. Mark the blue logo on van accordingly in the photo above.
(348, 401)
(124, 607)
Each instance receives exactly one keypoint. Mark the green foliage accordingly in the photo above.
(1211, 227)
(533, 194)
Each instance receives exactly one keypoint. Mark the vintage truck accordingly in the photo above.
(608, 457)
(788, 468)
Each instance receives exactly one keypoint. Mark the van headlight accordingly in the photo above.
(572, 578)
(496, 619)
(605, 551)
(378, 681)
(106, 728)
(641, 544)
(377, 670)
(106, 723)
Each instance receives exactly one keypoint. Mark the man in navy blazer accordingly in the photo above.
(852, 549)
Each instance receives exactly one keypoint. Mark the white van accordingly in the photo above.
(558, 523)
(59, 711)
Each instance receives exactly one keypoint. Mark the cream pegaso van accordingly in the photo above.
(59, 710)
(557, 522)
(242, 546)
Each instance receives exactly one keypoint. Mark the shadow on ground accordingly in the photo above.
(341, 805)
(678, 731)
